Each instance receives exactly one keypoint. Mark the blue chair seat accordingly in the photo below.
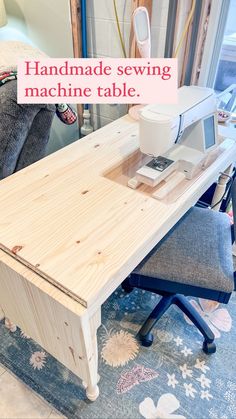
(195, 257)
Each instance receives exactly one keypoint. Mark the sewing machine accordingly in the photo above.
(180, 138)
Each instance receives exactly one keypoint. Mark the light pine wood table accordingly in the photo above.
(71, 231)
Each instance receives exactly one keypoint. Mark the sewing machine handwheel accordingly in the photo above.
(146, 340)
(209, 348)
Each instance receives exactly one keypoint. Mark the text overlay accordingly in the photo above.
(100, 80)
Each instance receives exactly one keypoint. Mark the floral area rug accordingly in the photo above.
(171, 379)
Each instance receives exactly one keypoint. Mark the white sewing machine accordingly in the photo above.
(181, 138)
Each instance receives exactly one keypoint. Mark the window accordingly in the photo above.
(226, 73)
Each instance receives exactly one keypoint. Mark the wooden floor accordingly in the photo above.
(18, 401)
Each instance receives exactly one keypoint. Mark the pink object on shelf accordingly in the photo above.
(223, 116)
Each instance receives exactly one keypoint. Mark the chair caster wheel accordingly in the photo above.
(146, 340)
(209, 348)
(126, 287)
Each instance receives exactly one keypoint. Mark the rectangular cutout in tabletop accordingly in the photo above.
(126, 170)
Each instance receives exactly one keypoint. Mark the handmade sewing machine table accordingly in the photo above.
(71, 231)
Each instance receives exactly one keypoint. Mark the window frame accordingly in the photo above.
(213, 44)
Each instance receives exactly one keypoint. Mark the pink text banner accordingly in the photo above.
(100, 80)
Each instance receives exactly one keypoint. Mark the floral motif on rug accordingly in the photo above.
(172, 379)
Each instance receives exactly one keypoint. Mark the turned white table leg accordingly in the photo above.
(220, 188)
(92, 392)
(90, 355)
(85, 385)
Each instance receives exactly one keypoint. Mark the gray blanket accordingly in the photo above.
(24, 130)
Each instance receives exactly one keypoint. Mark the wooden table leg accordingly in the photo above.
(89, 342)
(88, 339)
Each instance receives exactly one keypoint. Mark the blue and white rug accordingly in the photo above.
(171, 379)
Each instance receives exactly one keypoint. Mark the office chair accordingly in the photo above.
(194, 259)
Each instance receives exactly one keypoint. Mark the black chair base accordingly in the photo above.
(145, 336)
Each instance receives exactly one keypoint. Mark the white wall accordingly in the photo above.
(47, 25)
(103, 40)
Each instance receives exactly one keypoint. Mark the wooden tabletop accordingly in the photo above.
(72, 219)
